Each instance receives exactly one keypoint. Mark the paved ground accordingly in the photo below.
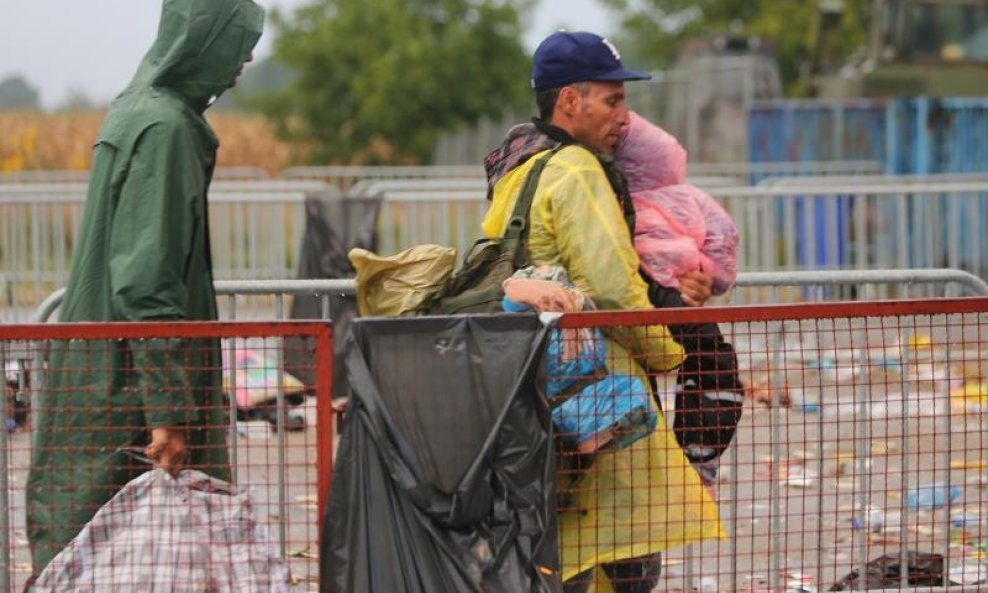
(864, 427)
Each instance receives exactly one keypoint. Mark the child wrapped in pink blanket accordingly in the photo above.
(685, 239)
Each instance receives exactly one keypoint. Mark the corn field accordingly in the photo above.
(63, 141)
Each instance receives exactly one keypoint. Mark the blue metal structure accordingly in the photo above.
(914, 136)
(787, 130)
(919, 135)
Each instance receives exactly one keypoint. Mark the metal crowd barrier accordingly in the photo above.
(388, 187)
(892, 225)
(917, 224)
(80, 176)
(373, 187)
(813, 182)
(257, 227)
(344, 177)
(861, 450)
(288, 473)
(757, 170)
(850, 285)
(47, 176)
(234, 296)
(862, 442)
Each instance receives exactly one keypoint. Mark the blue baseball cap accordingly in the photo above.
(567, 57)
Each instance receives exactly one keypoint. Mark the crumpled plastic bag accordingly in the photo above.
(885, 572)
(187, 534)
(400, 284)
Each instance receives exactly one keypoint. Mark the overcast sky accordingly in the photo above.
(94, 46)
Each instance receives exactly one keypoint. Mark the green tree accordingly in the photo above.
(653, 28)
(378, 81)
(16, 93)
(262, 77)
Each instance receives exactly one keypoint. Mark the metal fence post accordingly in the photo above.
(5, 550)
(922, 147)
(893, 142)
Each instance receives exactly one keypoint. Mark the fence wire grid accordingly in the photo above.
(859, 460)
(86, 393)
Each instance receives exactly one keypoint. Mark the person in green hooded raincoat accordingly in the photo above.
(142, 255)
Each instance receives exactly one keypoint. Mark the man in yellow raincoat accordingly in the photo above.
(631, 504)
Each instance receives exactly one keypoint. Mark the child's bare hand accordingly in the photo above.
(696, 288)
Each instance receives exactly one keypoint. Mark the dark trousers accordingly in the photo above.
(634, 575)
(710, 394)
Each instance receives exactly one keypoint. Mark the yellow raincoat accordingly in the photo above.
(646, 498)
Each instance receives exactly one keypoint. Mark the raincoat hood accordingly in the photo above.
(651, 157)
(521, 143)
(200, 46)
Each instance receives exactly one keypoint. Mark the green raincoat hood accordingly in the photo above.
(199, 48)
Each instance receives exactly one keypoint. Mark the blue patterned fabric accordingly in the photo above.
(616, 402)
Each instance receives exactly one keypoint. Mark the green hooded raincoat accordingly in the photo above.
(142, 255)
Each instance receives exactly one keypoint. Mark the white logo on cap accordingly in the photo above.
(613, 49)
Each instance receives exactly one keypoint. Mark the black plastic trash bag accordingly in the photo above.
(885, 572)
(333, 226)
(444, 480)
(187, 534)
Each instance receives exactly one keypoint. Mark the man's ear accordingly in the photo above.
(568, 100)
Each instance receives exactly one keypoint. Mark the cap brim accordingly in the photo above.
(622, 74)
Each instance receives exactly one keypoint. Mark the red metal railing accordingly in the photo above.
(284, 457)
(862, 443)
(862, 449)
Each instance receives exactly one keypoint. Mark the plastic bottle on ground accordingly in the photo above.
(933, 496)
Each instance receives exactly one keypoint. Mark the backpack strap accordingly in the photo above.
(515, 235)
(619, 183)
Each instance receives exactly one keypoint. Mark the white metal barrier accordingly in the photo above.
(861, 226)
(373, 187)
(257, 227)
(920, 224)
(81, 176)
(344, 177)
(746, 171)
(234, 295)
(816, 181)
(738, 172)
